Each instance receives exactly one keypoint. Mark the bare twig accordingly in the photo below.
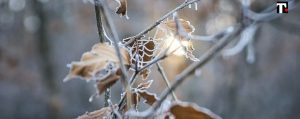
(99, 21)
(131, 82)
(163, 74)
(138, 36)
(114, 111)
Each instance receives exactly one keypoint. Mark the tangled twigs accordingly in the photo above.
(203, 59)
(141, 34)
(189, 70)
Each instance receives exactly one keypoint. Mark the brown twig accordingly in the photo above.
(138, 36)
(99, 21)
(123, 97)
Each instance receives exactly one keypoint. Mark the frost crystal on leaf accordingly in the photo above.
(168, 37)
(100, 64)
(141, 52)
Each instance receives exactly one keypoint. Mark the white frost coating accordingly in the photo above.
(190, 5)
(69, 65)
(17, 5)
(91, 98)
(126, 16)
(250, 53)
(174, 15)
(105, 35)
(134, 113)
(196, 6)
(246, 37)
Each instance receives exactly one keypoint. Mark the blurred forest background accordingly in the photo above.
(38, 38)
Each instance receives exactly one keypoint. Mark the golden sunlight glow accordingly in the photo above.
(174, 44)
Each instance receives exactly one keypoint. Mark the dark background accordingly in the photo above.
(38, 38)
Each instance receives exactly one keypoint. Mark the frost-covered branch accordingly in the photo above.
(141, 34)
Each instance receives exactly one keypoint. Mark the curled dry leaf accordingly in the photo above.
(184, 110)
(145, 85)
(100, 64)
(140, 92)
(167, 32)
(98, 114)
(141, 53)
(150, 98)
(102, 85)
(169, 28)
(122, 8)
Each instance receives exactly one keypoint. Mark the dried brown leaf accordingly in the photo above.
(191, 111)
(150, 98)
(169, 27)
(135, 94)
(94, 64)
(100, 64)
(122, 8)
(145, 73)
(98, 114)
(142, 51)
(103, 84)
(168, 30)
(145, 85)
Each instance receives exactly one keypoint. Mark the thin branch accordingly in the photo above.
(131, 82)
(101, 34)
(247, 36)
(111, 26)
(115, 112)
(163, 74)
(99, 21)
(138, 36)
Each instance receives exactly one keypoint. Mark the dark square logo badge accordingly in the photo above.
(282, 7)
